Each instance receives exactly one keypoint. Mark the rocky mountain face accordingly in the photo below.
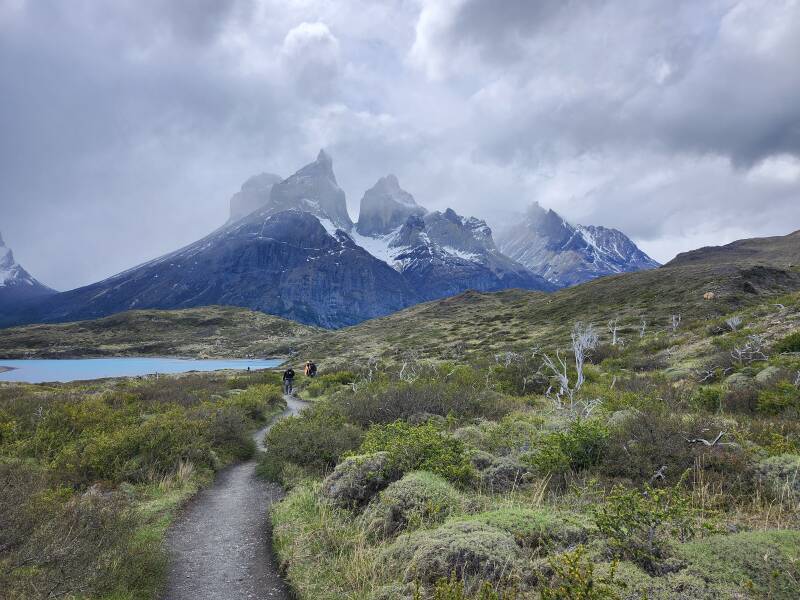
(314, 189)
(282, 263)
(290, 249)
(16, 284)
(385, 207)
(255, 194)
(439, 253)
(566, 254)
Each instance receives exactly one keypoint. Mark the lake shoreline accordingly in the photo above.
(32, 370)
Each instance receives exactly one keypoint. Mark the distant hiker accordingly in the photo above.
(313, 370)
(310, 369)
(288, 381)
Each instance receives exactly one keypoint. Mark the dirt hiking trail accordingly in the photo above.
(219, 547)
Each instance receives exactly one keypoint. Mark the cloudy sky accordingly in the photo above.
(126, 126)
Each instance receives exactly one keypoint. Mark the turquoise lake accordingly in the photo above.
(80, 369)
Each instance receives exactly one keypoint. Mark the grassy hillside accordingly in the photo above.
(213, 331)
(739, 275)
(669, 468)
(93, 473)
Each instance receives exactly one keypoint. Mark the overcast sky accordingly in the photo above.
(126, 126)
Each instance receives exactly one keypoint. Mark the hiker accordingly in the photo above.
(288, 380)
(311, 369)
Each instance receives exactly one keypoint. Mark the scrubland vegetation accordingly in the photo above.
(91, 475)
(665, 465)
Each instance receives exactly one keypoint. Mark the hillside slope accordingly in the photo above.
(740, 274)
(212, 331)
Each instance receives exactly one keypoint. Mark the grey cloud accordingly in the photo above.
(128, 125)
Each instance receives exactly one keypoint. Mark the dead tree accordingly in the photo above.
(613, 329)
(752, 350)
(584, 339)
(709, 443)
(734, 322)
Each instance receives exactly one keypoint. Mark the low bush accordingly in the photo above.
(579, 446)
(757, 564)
(419, 499)
(357, 479)
(314, 440)
(257, 402)
(782, 398)
(572, 576)
(330, 382)
(420, 448)
(654, 441)
(791, 343)
(780, 477)
(57, 543)
(503, 474)
(542, 529)
(473, 552)
(639, 524)
(445, 390)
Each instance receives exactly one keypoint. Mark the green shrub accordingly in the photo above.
(651, 439)
(457, 390)
(419, 499)
(314, 440)
(535, 528)
(779, 399)
(791, 343)
(454, 588)
(59, 544)
(639, 524)
(574, 578)
(578, 447)
(228, 432)
(471, 551)
(757, 564)
(257, 402)
(324, 384)
(420, 448)
(357, 479)
(503, 474)
(780, 476)
(708, 398)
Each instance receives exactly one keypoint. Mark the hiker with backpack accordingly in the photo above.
(288, 381)
(310, 369)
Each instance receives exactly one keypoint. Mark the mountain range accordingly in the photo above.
(291, 249)
(566, 254)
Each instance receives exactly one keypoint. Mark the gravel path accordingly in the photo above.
(219, 547)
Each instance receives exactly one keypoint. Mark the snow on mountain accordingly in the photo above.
(16, 284)
(313, 189)
(567, 254)
(442, 253)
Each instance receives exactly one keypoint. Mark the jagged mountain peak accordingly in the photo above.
(385, 207)
(567, 254)
(323, 158)
(314, 189)
(16, 284)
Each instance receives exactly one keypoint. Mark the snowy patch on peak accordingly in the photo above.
(15, 282)
(567, 254)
